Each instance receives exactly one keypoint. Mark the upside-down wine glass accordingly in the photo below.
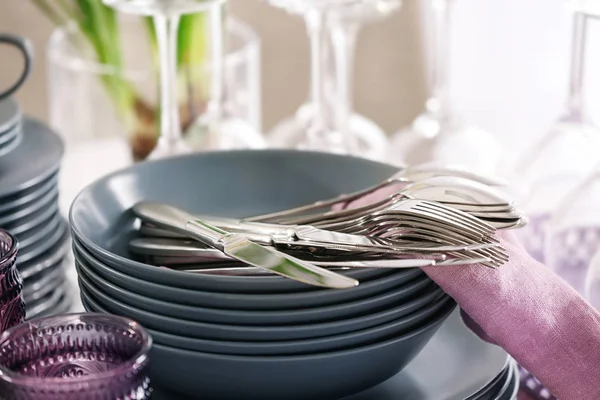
(357, 133)
(572, 235)
(166, 15)
(323, 123)
(561, 159)
(440, 133)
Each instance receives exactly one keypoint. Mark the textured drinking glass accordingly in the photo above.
(75, 357)
(440, 133)
(562, 158)
(12, 306)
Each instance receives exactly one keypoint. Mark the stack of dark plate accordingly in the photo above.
(266, 337)
(29, 210)
(10, 125)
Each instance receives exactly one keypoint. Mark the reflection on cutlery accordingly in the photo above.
(239, 247)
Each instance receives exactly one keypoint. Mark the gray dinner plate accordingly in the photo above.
(35, 159)
(56, 237)
(402, 292)
(238, 301)
(293, 347)
(33, 237)
(28, 196)
(46, 304)
(232, 184)
(10, 115)
(41, 284)
(54, 255)
(13, 217)
(10, 134)
(10, 145)
(317, 376)
(33, 221)
(497, 387)
(454, 365)
(205, 330)
(513, 391)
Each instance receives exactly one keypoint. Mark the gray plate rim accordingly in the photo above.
(420, 285)
(231, 296)
(10, 145)
(50, 170)
(424, 300)
(76, 232)
(30, 197)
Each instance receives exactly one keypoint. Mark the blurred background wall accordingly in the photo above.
(390, 85)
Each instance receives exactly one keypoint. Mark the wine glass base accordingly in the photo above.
(364, 139)
(166, 149)
(461, 145)
(230, 134)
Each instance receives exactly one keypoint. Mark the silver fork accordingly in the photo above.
(440, 188)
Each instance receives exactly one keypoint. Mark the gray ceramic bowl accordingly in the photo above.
(293, 347)
(403, 292)
(240, 301)
(204, 330)
(233, 184)
(330, 375)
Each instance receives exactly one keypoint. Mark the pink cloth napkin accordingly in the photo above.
(534, 315)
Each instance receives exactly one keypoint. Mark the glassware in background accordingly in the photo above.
(216, 126)
(327, 121)
(592, 281)
(12, 306)
(590, 7)
(84, 114)
(439, 133)
(355, 133)
(75, 356)
(166, 15)
(562, 158)
(572, 235)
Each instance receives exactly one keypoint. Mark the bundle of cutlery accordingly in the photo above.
(447, 217)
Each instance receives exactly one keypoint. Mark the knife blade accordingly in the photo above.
(237, 246)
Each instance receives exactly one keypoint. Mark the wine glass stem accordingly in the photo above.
(343, 38)
(217, 80)
(579, 35)
(314, 26)
(439, 102)
(166, 27)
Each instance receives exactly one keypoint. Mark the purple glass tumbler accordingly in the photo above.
(12, 307)
(75, 357)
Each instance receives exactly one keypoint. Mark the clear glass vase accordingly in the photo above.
(109, 118)
(90, 101)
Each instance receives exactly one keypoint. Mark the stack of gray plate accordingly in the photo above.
(241, 337)
(10, 126)
(29, 210)
(454, 365)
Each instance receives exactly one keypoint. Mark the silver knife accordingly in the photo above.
(309, 236)
(168, 251)
(239, 247)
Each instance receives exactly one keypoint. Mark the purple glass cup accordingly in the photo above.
(12, 307)
(75, 357)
